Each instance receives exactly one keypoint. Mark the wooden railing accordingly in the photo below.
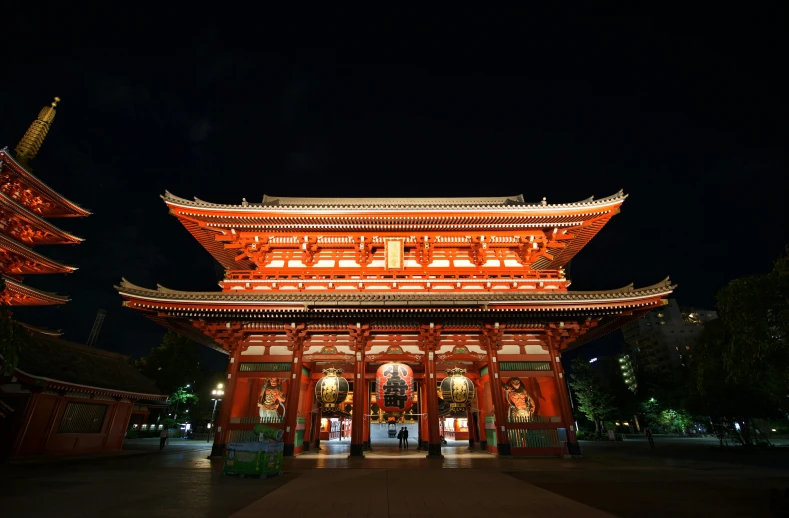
(433, 274)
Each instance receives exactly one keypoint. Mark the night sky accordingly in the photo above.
(689, 120)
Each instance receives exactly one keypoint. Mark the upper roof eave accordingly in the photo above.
(21, 249)
(509, 204)
(38, 220)
(46, 189)
(163, 294)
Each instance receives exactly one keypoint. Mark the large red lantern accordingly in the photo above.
(395, 387)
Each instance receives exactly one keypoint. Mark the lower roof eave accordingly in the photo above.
(581, 310)
(87, 388)
(44, 297)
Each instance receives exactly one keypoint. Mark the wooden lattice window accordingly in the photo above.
(83, 418)
(524, 366)
(264, 367)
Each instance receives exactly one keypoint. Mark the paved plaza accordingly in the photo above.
(681, 477)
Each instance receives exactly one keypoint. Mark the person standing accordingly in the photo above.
(648, 433)
(400, 437)
(163, 436)
(405, 437)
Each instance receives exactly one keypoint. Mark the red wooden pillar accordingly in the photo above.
(433, 433)
(359, 393)
(254, 395)
(367, 418)
(309, 395)
(53, 422)
(32, 402)
(430, 338)
(482, 434)
(223, 422)
(110, 423)
(497, 394)
(422, 402)
(318, 425)
(126, 420)
(292, 402)
(564, 397)
(472, 432)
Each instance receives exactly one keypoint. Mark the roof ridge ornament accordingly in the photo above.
(31, 142)
(288, 204)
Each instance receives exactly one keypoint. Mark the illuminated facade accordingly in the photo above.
(434, 284)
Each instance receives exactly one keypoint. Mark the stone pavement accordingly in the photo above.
(396, 493)
(629, 480)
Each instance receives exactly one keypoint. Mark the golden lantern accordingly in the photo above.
(331, 389)
(457, 390)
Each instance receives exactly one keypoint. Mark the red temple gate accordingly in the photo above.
(434, 284)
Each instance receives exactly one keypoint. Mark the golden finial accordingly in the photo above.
(28, 147)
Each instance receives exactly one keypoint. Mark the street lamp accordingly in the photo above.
(216, 396)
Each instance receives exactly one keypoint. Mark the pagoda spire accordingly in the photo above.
(28, 147)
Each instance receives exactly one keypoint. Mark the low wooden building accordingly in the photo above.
(68, 398)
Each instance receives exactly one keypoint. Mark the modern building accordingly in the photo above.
(396, 293)
(661, 342)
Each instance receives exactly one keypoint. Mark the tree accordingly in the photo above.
(727, 399)
(594, 400)
(173, 364)
(740, 368)
(668, 418)
(754, 313)
(185, 399)
(13, 336)
(674, 421)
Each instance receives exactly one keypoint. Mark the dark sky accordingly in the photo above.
(690, 120)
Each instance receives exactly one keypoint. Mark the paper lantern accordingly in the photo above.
(457, 390)
(395, 387)
(331, 389)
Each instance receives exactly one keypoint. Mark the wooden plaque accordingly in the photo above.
(395, 252)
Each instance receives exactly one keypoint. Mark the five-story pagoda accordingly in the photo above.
(26, 205)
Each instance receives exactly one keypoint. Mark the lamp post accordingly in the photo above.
(216, 394)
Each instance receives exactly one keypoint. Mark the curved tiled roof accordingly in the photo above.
(36, 183)
(18, 248)
(163, 294)
(515, 203)
(60, 361)
(23, 289)
(37, 221)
